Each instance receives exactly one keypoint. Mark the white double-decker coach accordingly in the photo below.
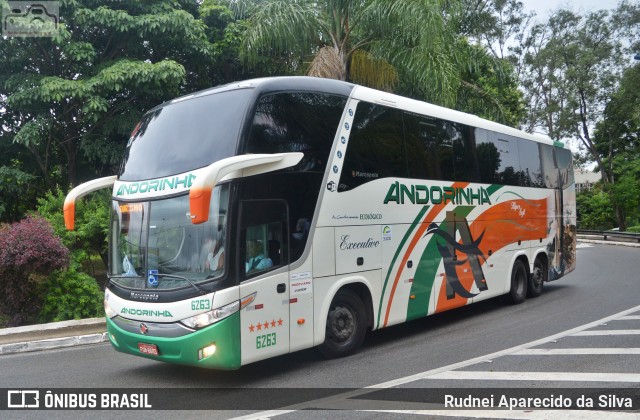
(273, 215)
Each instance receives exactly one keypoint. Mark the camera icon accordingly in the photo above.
(30, 19)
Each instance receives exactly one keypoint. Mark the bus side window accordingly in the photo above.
(264, 241)
(530, 163)
(376, 147)
(421, 148)
(499, 159)
(488, 157)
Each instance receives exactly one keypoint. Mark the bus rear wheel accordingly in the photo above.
(519, 280)
(536, 279)
(346, 325)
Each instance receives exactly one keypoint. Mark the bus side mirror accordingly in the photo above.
(79, 191)
(233, 167)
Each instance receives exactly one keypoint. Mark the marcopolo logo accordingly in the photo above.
(146, 312)
(172, 183)
(423, 194)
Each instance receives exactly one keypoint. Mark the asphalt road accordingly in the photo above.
(606, 282)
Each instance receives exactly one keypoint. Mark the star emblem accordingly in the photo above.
(279, 322)
(265, 325)
(273, 323)
(259, 326)
(251, 328)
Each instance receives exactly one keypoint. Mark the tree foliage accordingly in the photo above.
(71, 100)
(88, 239)
(572, 66)
(69, 294)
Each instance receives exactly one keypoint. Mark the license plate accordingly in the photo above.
(148, 349)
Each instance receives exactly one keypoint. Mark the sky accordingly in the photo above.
(543, 8)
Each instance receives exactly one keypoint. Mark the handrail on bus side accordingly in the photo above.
(79, 191)
(233, 167)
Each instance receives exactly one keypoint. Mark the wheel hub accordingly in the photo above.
(342, 323)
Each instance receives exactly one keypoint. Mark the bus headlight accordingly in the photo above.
(110, 313)
(208, 318)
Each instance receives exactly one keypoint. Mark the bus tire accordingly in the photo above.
(536, 279)
(346, 325)
(519, 280)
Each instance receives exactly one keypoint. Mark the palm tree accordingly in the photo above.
(410, 46)
(365, 41)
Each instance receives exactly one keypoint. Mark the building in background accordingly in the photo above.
(586, 179)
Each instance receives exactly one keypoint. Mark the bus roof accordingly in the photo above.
(337, 87)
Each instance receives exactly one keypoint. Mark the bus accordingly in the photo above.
(272, 215)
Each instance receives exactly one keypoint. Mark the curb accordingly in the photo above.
(602, 242)
(98, 335)
(51, 326)
(53, 343)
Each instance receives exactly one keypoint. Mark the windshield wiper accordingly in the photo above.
(172, 276)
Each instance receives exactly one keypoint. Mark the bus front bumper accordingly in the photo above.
(193, 349)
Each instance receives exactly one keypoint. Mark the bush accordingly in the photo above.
(29, 251)
(595, 210)
(91, 230)
(71, 295)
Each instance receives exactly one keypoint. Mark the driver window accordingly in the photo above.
(263, 236)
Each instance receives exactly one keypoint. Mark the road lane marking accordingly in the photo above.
(628, 317)
(605, 332)
(553, 352)
(537, 376)
(426, 374)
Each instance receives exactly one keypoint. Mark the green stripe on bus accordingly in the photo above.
(415, 223)
(558, 144)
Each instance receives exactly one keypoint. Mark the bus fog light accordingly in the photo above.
(206, 351)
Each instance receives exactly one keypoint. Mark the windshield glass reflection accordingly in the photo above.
(154, 245)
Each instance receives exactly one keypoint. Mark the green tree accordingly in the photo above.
(371, 42)
(617, 141)
(87, 242)
(71, 100)
(572, 67)
(595, 210)
(496, 24)
(490, 90)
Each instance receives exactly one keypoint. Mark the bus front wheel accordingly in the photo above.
(519, 280)
(346, 325)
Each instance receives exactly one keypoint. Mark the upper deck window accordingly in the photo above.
(185, 135)
(297, 122)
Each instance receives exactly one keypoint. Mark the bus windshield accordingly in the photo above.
(154, 245)
(185, 135)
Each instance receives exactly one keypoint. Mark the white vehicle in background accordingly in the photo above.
(273, 215)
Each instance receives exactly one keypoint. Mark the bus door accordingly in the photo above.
(264, 270)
